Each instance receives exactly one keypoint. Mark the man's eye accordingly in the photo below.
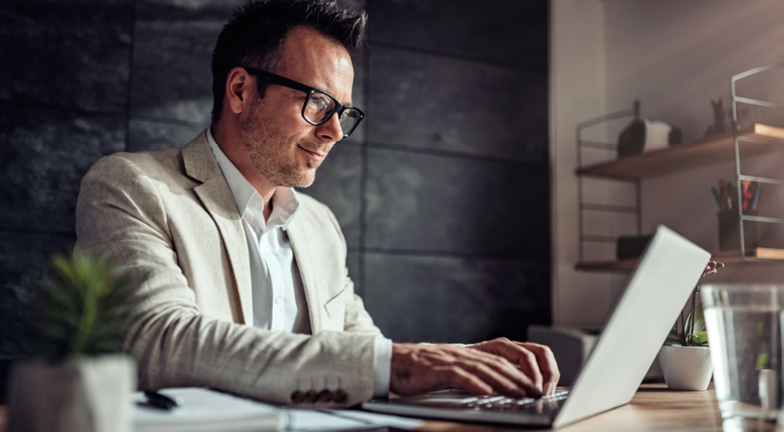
(319, 102)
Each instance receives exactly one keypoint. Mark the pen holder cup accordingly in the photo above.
(729, 231)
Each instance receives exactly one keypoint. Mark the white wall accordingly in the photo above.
(577, 92)
(673, 56)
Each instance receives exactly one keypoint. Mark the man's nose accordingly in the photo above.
(331, 130)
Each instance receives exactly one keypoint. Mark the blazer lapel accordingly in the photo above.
(299, 237)
(216, 196)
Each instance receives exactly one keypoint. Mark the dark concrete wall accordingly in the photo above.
(443, 193)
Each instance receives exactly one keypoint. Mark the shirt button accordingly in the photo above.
(277, 300)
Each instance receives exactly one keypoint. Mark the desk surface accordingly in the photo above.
(653, 409)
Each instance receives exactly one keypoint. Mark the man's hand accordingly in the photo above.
(535, 361)
(486, 368)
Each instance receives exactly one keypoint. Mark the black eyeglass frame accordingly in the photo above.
(285, 82)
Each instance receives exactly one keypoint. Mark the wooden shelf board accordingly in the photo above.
(616, 266)
(761, 253)
(702, 152)
(727, 257)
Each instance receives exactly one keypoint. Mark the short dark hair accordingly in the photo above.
(255, 34)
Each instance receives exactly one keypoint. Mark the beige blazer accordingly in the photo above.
(169, 218)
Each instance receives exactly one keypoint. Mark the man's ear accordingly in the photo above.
(238, 83)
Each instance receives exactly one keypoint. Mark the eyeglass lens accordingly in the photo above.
(319, 107)
(349, 120)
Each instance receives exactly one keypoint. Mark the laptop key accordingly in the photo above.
(543, 404)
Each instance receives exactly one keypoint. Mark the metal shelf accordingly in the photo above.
(764, 135)
(582, 205)
(756, 139)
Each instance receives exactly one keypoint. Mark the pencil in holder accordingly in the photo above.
(729, 231)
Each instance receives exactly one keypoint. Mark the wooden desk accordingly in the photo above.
(653, 409)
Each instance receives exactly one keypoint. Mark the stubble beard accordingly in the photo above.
(277, 163)
(313, 164)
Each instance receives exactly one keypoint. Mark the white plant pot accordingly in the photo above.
(84, 395)
(686, 367)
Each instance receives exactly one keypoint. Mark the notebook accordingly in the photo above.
(206, 410)
(644, 312)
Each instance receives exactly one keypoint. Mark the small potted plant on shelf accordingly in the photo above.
(78, 380)
(685, 357)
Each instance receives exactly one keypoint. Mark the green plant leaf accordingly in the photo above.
(82, 308)
(762, 362)
(699, 319)
(690, 331)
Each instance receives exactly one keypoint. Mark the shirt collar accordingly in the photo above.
(249, 202)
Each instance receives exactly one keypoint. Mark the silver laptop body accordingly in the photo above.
(644, 312)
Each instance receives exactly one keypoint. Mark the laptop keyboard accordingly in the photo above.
(457, 399)
(518, 405)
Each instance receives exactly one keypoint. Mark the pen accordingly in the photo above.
(716, 196)
(730, 196)
(756, 196)
(161, 401)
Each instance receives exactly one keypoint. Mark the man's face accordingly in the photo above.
(284, 148)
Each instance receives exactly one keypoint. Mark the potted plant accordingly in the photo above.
(78, 379)
(685, 357)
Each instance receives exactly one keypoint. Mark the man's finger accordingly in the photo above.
(419, 369)
(505, 377)
(489, 374)
(516, 353)
(455, 376)
(547, 365)
(527, 361)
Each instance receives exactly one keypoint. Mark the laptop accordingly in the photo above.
(644, 312)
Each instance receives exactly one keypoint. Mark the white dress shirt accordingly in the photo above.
(278, 295)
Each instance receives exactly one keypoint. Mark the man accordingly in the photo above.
(243, 285)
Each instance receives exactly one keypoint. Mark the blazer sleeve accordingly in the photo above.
(122, 215)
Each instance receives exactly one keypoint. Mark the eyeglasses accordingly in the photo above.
(319, 105)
